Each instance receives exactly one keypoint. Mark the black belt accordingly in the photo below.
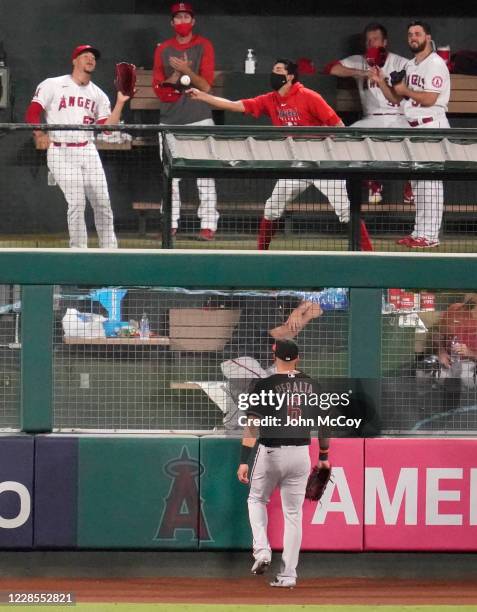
(271, 445)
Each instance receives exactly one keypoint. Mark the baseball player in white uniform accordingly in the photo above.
(72, 157)
(282, 459)
(425, 93)
(378, 111)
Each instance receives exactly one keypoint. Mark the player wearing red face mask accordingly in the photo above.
(188, 54)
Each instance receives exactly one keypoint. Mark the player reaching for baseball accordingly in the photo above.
(378, 111)
(289, 104)
(424, 88)
(282, 459)
(72, 157)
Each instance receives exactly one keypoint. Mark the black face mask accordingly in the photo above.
(277, 81)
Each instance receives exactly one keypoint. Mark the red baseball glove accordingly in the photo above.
(125, 79)
(317, 481)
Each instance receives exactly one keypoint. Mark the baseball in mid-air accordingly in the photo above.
(185, 80)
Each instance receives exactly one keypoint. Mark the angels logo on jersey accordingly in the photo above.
(437, 82)
(417, 80)
(79, 101)
(288, 116)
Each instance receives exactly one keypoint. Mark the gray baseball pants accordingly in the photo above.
(285, 467)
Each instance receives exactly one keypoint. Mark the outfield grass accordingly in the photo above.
(301, 242)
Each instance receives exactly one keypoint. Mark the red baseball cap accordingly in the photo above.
(85, 49)
(182, 7)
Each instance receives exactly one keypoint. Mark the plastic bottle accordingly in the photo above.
(333, 299)
(250, 62)
(456, 364)
(144, 330)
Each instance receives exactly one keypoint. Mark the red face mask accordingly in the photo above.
(183, 29)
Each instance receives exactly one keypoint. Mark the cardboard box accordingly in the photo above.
(201, 329)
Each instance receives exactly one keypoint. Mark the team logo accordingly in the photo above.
(183, 506)
(437, 81)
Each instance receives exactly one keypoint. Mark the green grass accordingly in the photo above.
(301, 242)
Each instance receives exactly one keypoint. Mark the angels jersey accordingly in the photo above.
(66, 102)
(373, 101)
(431, 74)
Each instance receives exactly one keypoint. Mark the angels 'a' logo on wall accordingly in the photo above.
(437, 81)
(183, 505)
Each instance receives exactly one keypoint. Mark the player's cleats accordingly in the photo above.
(404, 241)
(408, 195)
(284, 582)
(260, 566)
(422, 243)
(206, 234)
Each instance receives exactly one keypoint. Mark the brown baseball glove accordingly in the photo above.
(125, 78)
(317, 481)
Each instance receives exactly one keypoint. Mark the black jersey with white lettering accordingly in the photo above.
(286, 405)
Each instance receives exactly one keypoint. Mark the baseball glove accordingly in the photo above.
(125, 79)
(317, 481)
(396, 76)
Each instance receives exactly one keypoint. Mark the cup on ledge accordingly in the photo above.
(445, 53)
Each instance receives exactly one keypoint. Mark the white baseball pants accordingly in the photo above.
(207, 211)
(288, 468)
(429, 197)
(79, 173)
(286, 190)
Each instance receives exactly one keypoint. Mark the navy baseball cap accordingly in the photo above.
(286, 350)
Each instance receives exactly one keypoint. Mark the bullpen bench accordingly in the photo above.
(463, 98)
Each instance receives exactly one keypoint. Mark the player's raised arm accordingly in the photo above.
(215, 101)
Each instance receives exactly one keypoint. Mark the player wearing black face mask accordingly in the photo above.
(277, 81)
(290, 104)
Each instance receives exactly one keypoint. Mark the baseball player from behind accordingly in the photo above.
(282, 459)
(72, 157)
(425, 92)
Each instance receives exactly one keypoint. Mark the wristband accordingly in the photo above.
(323, 456)
(245, 452)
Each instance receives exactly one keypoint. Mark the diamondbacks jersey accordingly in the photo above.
(200, 53)
(66, 102)
(300, 393)
(373, 101)
(431, 74)
(302, 106)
